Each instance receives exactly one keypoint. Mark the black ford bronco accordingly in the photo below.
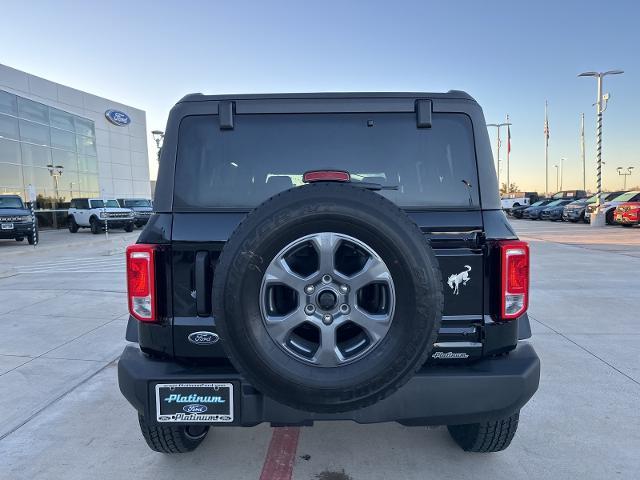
(328, 257)
(16, 220)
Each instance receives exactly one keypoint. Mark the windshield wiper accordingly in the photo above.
(374, 186)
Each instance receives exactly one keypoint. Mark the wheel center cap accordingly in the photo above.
(327, 300)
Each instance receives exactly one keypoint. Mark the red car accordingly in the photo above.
(627, 214)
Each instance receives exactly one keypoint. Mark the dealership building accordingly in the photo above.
(67, 143)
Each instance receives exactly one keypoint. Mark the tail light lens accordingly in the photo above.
(141, 282)
(514, 256)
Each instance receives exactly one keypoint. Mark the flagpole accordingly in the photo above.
(584, 165)
(508, 151)
(546, 150)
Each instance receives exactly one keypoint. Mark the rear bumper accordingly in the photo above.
(488, 389)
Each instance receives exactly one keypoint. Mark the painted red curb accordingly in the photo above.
(278, 464)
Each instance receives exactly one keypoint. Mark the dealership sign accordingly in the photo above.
(117, 117)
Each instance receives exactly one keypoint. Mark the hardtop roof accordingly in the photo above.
(451, 94)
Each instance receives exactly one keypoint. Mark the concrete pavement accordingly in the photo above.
(58, 352)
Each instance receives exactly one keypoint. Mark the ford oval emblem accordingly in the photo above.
(194, 408)
(117, 117)
(203, 338)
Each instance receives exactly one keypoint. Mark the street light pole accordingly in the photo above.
(625, 175)
(56, 172)
(158, 137)
(601, 106)
(556, 167)
(498, 125)
(561, 171)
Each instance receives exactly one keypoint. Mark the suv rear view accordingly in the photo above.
(328, 257)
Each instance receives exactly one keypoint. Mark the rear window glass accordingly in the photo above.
(267, 153)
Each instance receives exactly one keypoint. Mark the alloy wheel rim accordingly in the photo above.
(327, 299)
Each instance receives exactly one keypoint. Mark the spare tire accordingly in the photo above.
(327, 297)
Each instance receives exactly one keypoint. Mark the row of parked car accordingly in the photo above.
(620, 208)
(17, 222)
(98, 214)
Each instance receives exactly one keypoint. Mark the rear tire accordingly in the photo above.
(73, 226)
(128, 228)
(172, 438)
(291, 378)
(31, 239)
(484, 437)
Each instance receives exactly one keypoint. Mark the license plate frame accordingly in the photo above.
(194, 402)
(6, 226)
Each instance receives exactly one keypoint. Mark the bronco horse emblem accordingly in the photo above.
(455, 280)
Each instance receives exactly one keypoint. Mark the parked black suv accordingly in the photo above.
(16, 220)
(328, 257)
(141, 208)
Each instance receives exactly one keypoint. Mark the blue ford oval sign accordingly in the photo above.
(117, 117)
(194, 408)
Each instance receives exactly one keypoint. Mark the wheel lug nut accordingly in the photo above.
(344, 288)
(309, 309)
(344, 308)
(327, 319)
(326, 279)
(309, 289)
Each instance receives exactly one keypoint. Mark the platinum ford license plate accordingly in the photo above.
(7, 226)
(194, 402)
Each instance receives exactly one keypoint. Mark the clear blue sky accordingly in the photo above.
(510, 57)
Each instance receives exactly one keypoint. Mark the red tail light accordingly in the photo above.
(141, 282)
(326, 176)
(514, 257)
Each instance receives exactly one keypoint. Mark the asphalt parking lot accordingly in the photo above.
(63, 316)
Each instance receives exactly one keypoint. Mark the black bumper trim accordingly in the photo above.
(116, 223)
(18, 230)
(489, 389)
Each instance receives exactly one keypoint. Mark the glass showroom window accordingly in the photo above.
(34, 135)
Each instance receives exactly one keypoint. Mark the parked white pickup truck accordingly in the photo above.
(518, 199)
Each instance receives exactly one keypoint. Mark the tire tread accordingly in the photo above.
(167, 438)
(491, 436)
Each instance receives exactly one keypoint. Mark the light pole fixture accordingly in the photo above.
(625, 175)
(556, 167)
(601, 106)
(158, 137)
(56, 172)
(498, 125)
